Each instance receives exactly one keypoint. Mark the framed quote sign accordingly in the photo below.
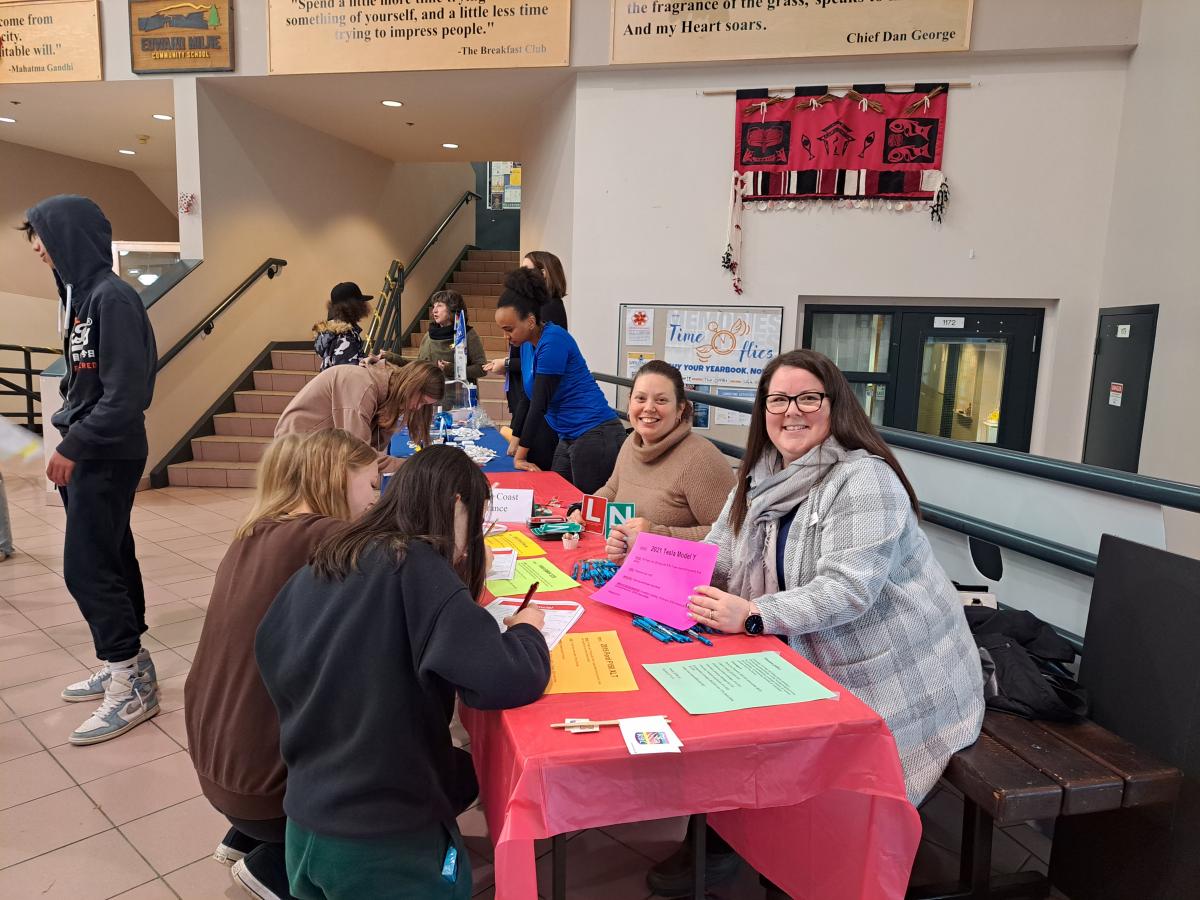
(53, 40)
(167, 36)
(652, 31)
(315, 36)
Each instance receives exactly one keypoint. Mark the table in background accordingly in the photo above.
(810, 794)
(490, 438)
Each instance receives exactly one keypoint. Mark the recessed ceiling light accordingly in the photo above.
(147, 278)
(7, 121)
(128, 152)
(124, 252)
(394, 104)
(450, 146)
(135, 271)
(163, 117)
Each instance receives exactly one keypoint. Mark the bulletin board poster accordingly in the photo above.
(51, 40)
(504, 185)
(724, 348)
(659, 32)
(317, 36)
(165, 36)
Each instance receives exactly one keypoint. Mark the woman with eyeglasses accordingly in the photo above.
(820, 544)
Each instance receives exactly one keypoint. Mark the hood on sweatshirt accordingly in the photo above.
(333, 326)
(76, 235)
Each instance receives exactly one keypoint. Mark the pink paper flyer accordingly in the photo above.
(658, 576)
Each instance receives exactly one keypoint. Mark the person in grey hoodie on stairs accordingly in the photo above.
(111, 362)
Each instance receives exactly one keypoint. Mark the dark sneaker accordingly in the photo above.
(92, 688)
(233, 847)
(673, 876)
(263, 873)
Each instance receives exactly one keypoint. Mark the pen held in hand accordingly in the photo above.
(528, 596)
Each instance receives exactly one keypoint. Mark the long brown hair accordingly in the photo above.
(848, 423)
(551, 268)
(418, 505)
(406, 386)
(309, 470)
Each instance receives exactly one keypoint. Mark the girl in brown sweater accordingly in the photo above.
(677, 480)
(308, 488)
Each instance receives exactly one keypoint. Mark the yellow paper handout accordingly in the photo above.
(518, 540)
(588, 663)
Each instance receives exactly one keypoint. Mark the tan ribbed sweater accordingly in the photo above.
(679, 484)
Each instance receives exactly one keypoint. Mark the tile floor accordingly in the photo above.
(126, 818)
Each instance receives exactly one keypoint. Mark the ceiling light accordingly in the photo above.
(135, 271)
(128, 152)
(123, 252)
(450, 146)
(148, 278)
(394, 104)
(163, 117)
(7, 121)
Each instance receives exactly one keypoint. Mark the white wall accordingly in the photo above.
(1153, 234)
(1030, 153)
(548, 181)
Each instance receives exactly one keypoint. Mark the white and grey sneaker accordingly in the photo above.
(93, 688)
(127, 702)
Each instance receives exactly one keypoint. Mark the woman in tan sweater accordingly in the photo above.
(677, 480)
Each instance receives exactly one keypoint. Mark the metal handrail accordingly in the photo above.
(384, 331)
(270, 267)
(12, 389)
(1162, 491)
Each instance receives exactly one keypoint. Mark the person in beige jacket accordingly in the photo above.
(371, 402)
(677, 480)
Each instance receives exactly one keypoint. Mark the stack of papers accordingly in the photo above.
(504, 564)
(560, 615)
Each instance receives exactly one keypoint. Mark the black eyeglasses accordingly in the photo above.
(808, 402)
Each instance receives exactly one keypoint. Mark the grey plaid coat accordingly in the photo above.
(866, 602)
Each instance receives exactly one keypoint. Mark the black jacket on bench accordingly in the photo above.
(363, 673)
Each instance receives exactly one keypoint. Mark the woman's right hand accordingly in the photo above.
(530, 615)
(496, 366)
(576, 517)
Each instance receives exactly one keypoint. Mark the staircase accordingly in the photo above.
(229, 457)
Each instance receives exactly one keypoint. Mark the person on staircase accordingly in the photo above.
(308, 488)
(541, 450)
(339, 339)
(370, 402)
(438, 344)
(111, 361)
(561, 393)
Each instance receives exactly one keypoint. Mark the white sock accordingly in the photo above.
(128, 666)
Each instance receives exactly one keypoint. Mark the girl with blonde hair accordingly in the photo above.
(308, 488)
(370, 402)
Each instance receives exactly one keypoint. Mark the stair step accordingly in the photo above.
(229, 448)
(283, 379)
(212, 474)
(491, 388)
(262, 401)
(473, 287)
(510, 256)
(487, 265)
(245, 424)
(306, 360)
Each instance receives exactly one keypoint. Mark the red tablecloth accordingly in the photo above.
(810, 794)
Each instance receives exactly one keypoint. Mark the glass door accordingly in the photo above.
(962, 386)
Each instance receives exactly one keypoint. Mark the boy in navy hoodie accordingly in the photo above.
(111, 362)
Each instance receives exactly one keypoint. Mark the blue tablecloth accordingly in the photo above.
(490, 438)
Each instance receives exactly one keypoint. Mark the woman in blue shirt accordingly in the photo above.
(561, 393)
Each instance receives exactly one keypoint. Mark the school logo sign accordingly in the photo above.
(180, 37)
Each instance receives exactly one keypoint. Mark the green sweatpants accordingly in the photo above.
(402, 867)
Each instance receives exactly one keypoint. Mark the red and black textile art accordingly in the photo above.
(870, 144)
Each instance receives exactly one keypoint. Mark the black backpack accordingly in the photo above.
(1024, 663)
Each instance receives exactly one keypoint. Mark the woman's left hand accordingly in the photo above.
(719, 609)
(525, 465)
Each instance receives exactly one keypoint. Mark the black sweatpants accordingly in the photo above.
(588, 460)
(540, 437)
(99, 562)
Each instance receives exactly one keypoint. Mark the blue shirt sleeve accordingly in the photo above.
(552, 353)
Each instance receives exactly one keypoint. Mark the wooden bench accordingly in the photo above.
(1020, 770)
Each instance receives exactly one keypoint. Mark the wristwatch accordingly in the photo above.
(754, 624)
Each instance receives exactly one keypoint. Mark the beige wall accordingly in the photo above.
(1153, 234)
(27, 176)
(652, 164)
(269, 186)
(548, 181)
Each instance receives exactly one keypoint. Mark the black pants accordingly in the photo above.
(99, 562)
(588, 460)
(268, 831)
(538, 436)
